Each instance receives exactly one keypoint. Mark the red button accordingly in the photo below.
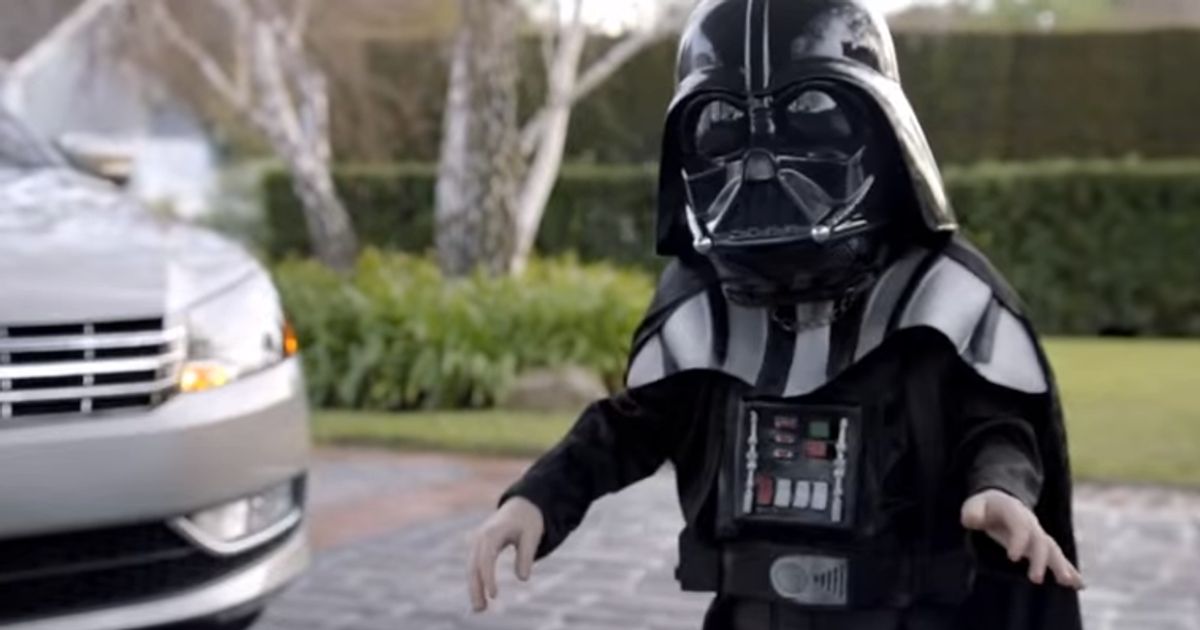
(765, 487)
(816, 450)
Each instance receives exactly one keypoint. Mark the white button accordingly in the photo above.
(802, 495)
(783, 493)
(820, 499)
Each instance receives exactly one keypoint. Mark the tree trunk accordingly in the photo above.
(478, 176)
(297, 127)
(548, 156)
(328, 222)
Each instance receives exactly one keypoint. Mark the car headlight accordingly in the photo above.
(238, 332)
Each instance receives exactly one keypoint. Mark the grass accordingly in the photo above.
(1133, 410)
(505, 433)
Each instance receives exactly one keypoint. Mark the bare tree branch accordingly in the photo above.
(605, 67)
(221, 82)
(300, 21)
(277, 88)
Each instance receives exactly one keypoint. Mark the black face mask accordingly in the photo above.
(787, 194)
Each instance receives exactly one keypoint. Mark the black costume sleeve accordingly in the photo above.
(614, 444)
(1000, 446)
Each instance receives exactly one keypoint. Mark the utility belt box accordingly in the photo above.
(829, 579)
(792, 465)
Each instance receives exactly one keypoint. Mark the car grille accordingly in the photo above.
(69, 573)
(87, 368)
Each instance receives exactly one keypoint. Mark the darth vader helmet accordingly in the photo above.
(792, 159)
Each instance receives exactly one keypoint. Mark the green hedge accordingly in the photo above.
(597, 212)
(1094, 247)
(399, 336)
(982, 96)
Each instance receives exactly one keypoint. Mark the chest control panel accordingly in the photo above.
(797, 464)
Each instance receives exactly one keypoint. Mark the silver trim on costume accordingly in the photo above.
(751, 463)
(766, 38)
(647, 366)
(747, 342)
(810, 362)
(839, 471)
(1014, 358)
(688, 334)
(951, 299)
(749, 43)
(883, 301)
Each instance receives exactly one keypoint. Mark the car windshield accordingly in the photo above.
(21, 148)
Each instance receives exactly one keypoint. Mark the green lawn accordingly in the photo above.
(1133, 411)
(1133, 408)
(480, 432)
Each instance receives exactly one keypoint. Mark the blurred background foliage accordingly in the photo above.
(397, 335)
(996, 95)
(1094, 247)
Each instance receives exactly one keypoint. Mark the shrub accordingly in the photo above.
(400, 336)
(982, 96)
(1093, 246)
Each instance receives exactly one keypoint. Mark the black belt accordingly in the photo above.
(821, 579)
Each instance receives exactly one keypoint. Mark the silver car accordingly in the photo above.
(153, 425)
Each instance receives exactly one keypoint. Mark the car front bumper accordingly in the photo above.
(193, 452)
(73, 479)
(246, 587)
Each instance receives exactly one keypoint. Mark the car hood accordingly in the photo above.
(76, 249)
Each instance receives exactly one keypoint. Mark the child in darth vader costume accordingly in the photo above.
(865, 430)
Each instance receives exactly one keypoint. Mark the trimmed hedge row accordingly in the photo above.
(1094, 247)
(994, 96)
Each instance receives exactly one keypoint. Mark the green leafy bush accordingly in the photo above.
(1092, 246)
(398, 335)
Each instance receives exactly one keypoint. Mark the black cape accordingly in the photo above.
(950, 288)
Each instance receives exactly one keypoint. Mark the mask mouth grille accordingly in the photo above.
(753, 234)
(764, 200)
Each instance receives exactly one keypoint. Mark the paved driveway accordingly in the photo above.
(391, 532)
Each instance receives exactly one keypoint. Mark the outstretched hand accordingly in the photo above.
(517, 523)
(1015, 527)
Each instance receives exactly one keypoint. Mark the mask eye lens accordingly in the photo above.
(812, 102)
(720, 130)
(814, 120)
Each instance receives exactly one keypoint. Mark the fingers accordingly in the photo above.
(1040, 548)
(475, 579)
(974, 513)
(1020, 535)
(489, 552)
(526, 550)
(1065, 573)
(481, 568)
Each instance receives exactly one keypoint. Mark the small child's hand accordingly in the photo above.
(518, 523)
(1011, 523)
